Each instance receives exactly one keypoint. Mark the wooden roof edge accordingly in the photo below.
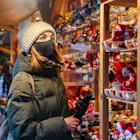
(27, 16)
(9, 28)
(14, 28)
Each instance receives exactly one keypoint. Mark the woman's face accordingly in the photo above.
(45, 37)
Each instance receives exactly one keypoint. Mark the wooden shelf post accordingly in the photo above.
(103, 72)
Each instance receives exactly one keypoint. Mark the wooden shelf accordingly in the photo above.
(104, 62)
(122, 50)
(123, 101)
(130, 49)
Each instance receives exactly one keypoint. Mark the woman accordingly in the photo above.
(46, 118)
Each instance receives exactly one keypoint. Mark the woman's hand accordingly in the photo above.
(72, 123)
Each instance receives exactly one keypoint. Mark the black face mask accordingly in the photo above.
(46, 49)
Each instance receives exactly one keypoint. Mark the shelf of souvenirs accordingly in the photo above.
(123, 36)
(78, 77)
(121, 96)
(120, 46)
(121, 100)
(123, 123)
(67, 48)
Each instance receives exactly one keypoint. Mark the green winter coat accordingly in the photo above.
(41, 118)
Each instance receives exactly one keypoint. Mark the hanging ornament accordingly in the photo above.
(75, 37)
(77, 18)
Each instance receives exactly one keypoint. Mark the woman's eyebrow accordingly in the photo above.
(43, 34)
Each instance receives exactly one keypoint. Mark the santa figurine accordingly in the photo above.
(119, 133)
(129, 132)
(130, 83)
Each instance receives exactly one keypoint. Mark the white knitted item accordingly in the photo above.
(28, 32)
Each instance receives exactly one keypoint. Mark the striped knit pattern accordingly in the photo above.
(28, 32)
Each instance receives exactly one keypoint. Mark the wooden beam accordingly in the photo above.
(95, 90)
(103, 79)
(12, 29)
(7, 51)
(138, 73)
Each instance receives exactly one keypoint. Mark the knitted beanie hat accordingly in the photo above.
(28, 32)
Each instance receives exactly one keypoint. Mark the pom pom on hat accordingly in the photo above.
(28, 32)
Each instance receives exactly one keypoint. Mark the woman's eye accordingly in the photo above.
(42, 37)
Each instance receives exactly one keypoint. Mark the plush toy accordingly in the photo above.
(132, 120)
(129, 131)
(122, 32)
(83, 127)
(118, 32)
(124, 131)
(130, 83)
(96, 133)
(119, 133)
(121, 126)
(83, 130)
(118, 68)
(82, 106)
